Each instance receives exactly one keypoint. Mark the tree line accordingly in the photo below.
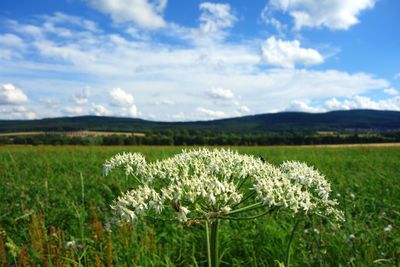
(170, 138)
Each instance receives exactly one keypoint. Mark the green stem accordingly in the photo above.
(287, 260)
(244, 199)
(250, 207)
(214, 244)
(249, 217)
(208, 245)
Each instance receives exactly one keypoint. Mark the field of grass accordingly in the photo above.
(54, 211)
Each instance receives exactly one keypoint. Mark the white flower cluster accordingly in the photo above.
(131, 162)
(203, 183)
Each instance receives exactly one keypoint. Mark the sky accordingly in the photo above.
(183, 60)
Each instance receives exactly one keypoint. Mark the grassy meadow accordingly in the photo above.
(54, 211)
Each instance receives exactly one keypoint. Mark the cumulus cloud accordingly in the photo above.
(333, 14)
(391, 91)
(100, 110)
(302, 106)
(73, 111)
(11, 95)
(220, 93)
(144, 13)
(215, 17)
(124, 100)
(209, 114)
(17, 113)
(81, 98)
(120, 98)
(226, 98)
(243, 109)
(287, 54)
(356, 102)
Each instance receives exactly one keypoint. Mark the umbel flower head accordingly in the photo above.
(203, 184)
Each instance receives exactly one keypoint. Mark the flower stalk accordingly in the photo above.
(287, 258)
(214, 243)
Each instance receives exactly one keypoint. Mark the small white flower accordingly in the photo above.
(352, 237)
(70, 244)
(183, 211)
(388, 228)
(225, 209)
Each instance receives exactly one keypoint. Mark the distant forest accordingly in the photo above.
(171, 138)
(286, 128)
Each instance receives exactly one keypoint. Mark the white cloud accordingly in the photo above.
(227, 99)
(179, 117)
(302, 106)
(209, 114)
(120, 98)
(355, 102)
(103, 60)
(243, 109)
(81, 98)
(363, 102)
(287, 54)
(164, 102)
(391, 91)
(333, 14)
(17, 113)
(62, 18)
(73, 110)
(220, 93)
(26, 29)
(144, 13)
(215, 17)
(132, 111)
(50, 102)
(11, 95)
(100, 110)
(11, 46)
(11, 40)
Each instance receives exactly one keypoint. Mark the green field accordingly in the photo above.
(53, 195)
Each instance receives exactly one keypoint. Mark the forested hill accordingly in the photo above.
(351, 121)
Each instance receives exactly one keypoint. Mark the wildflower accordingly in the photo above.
(388, 228)
(107, 227)
(352, 237)
(70, 244)
(132, 162)
(204, 183)
(225, 209)
(79, 246)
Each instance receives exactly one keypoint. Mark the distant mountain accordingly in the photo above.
(340, 121)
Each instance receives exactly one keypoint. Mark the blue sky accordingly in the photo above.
(192, 60)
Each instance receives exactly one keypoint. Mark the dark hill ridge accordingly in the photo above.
(340, 121)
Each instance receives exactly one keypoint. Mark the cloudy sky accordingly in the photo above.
(175, 60)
